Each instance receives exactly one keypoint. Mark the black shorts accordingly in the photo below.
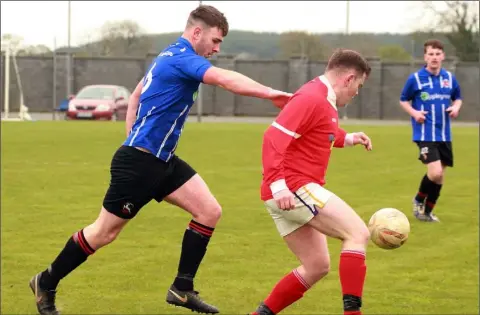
(137, 177)
(435, 151)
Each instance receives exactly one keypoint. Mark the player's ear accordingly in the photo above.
(197, 32)
(349, 79)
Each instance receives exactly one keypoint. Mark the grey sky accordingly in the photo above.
(24, 17)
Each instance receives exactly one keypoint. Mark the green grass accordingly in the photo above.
(55, 174)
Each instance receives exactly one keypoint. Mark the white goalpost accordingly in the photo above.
(7, 115)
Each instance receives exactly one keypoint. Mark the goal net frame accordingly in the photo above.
(22, 114)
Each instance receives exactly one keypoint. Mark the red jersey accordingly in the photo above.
(297, 146)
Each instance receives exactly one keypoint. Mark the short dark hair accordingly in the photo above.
(210, 16)
(434, 43)
(344, 59)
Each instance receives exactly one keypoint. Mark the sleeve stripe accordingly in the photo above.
(285, 130)
(419, 84)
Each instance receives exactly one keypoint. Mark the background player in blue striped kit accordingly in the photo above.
(145, 167)
(431, 97)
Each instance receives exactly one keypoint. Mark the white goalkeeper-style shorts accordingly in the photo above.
(307, 199)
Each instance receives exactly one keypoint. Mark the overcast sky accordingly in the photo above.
(24, 17)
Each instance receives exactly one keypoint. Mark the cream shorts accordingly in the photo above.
(306, 198)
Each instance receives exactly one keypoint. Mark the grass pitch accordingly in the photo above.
(55, 174)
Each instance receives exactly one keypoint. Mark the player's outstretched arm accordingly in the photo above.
(242, 85)
(132, 107)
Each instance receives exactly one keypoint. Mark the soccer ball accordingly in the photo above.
(389, 228)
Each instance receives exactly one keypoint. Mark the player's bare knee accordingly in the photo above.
(99, 236)
(322, 268)
(318, 274)
(435, 172)
(109, 236)
(215, 212)
(363, 235)
(209, 214)
(359, 235)
(106, 237)
(318, 267)
(323, 271)
(436, 175)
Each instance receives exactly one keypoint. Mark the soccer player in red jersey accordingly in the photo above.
(295, 155)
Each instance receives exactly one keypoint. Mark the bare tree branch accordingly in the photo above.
(459, 21)
(123, 38)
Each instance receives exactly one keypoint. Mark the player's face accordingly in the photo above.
(209, 41)
(351, 85)
(433, 57)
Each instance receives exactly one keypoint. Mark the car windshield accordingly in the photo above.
(97, 93)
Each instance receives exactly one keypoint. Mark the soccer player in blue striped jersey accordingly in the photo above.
(431, 96)
(145, 167)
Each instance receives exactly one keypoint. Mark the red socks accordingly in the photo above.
(287, 291)
(352, 277)
(352, 271)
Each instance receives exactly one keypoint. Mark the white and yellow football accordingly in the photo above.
(389, 228)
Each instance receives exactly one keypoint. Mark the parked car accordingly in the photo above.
(99, 102)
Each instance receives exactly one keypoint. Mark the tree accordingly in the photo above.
(88, 46)
(15, 42)
(459, 19)
(301, 44)
(123, 38)
(364, 43)
(17, 46)
(34, 50)
(393, 53)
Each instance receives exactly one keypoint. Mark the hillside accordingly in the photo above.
(268, 45)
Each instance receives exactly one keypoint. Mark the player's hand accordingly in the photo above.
(419, 116)
(453, 111)
(284, 199)
(363, 139)
(279, 98)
